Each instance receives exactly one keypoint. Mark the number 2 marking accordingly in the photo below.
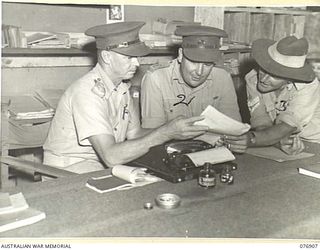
(182, 101)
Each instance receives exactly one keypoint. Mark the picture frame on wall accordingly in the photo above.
(115, 13)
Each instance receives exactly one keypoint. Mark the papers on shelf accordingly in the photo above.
(18, 213)
(212, 155)
(29, 107)
(39, 37)
(276, 154)
(222, 124)
(47, 39)
(123, 177)
(57, 39)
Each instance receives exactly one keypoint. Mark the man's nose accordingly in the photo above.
(135, 62)
(199, 69)
(263, 76)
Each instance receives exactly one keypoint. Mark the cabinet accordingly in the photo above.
(246, 24)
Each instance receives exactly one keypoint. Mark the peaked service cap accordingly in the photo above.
(122, 37)
(201, 43)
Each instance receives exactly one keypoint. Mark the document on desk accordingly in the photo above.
(123, 177)
(222, 124)
(212, 155)
(19, 214)
(309, 172)
(276, 154)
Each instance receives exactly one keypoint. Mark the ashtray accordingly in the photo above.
(168, 201)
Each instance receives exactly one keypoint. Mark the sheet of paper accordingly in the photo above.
(222, 124)
(18, 203)
(208, 137)
(22, 218)
(212, 155)
(276, 154)
(309, 173)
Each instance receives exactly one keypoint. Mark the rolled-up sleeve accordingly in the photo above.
(90, 117)
(152, 110)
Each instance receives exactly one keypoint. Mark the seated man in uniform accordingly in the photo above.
(283, 98)
(189, 83)
(95, 121)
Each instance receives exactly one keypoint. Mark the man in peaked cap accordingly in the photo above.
(189, 83)
(283, 97)
(95, 121)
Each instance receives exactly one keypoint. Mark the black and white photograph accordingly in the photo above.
(190, 123)
(115, 13)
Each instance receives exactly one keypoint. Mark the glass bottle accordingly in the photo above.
(226, 175)
(207, 176)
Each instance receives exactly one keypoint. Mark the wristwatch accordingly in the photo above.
(252, 138)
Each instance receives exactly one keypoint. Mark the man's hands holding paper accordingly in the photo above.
(182, 128)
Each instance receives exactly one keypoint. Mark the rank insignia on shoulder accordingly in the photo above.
(157, 66)
(99, 88)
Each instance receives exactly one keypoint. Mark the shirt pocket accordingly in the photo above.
(174, 107)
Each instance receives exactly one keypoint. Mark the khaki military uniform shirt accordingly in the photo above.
(165, 95)
(297, 105)
(91, 106)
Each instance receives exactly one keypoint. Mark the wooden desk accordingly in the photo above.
(267, 200)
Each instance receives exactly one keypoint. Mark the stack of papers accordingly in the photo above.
(123, 177)
(221, 124)
(29, 107)
(15, 212)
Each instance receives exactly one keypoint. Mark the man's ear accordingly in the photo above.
(105, 56)
(180, 55)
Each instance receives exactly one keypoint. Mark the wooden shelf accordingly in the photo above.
(17, 52)
(26, 52)
(45, 52)
(272, 10)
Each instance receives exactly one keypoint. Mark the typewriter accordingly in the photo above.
(171, 162)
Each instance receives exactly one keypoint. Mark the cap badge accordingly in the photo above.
(123, 45)
(201, 43)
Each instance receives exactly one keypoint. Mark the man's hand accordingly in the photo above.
(182, 128)
(292, 145)
(238, 144)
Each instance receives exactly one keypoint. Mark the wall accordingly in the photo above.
(312, 31)
(69, 18)
(78, 18)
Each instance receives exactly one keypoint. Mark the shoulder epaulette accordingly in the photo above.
(99, 88)
(157, 66)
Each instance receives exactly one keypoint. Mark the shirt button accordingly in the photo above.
(171, 110)
(115, 129)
